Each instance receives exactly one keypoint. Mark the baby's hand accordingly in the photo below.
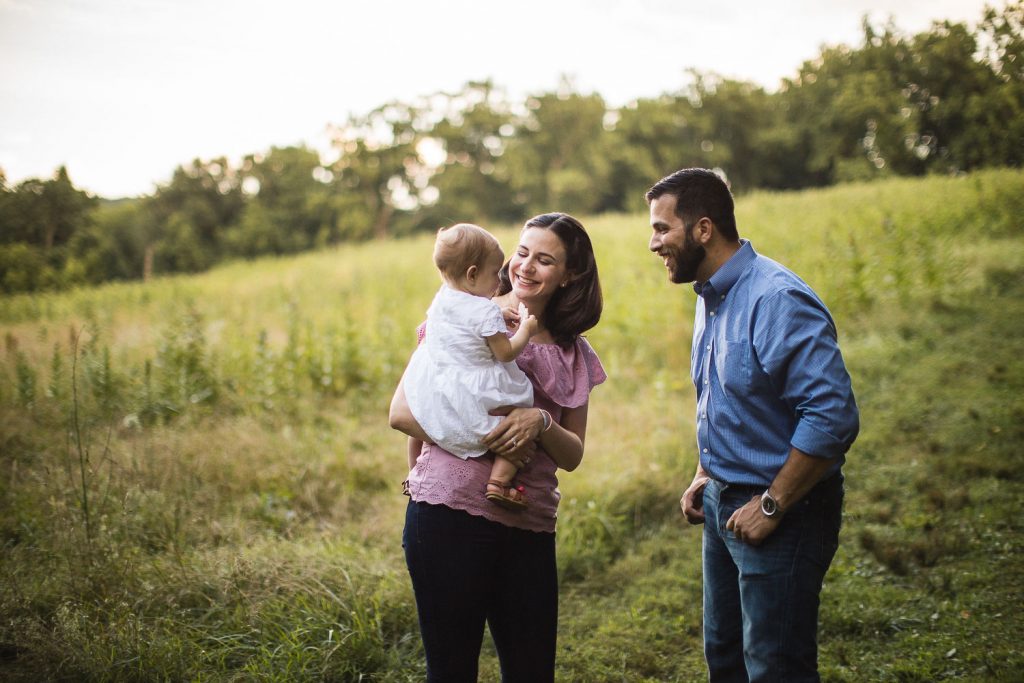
(511, 317)
(528, 320)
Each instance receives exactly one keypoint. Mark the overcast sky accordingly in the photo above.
(122, 91)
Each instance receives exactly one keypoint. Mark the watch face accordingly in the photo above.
(768, 505)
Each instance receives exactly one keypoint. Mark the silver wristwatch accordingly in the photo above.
(769, 506)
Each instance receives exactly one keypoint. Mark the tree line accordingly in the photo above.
(946, 100)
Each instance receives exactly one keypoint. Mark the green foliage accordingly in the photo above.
(184, 376)
(26, 381)
(289, 209)
(114, 247)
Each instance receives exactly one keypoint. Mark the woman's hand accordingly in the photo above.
(562, 441)
(513, 438)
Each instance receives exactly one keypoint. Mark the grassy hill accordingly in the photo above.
(197, 481)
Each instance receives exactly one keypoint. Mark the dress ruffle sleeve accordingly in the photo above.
(566, 376)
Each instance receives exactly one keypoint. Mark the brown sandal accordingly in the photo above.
(508, 497)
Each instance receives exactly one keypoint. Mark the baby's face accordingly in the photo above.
(486, 283)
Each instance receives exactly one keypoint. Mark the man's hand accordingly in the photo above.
(750, 524)
(692, 502)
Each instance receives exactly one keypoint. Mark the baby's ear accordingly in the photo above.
(471, 273)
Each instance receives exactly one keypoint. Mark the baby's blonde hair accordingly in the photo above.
(460, 246)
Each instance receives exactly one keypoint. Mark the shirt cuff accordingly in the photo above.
(813, 441)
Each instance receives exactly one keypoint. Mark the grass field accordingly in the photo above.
(197, 480)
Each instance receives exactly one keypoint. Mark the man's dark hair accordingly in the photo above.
(575, 308)
(699, 192)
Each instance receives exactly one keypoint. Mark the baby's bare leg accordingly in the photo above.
(503, 470)
(499, 487)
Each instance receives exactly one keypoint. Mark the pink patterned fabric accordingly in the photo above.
(561, 379)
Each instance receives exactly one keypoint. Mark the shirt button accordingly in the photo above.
(712, 313)
(708, 347)
(705, 450)
(705, 381)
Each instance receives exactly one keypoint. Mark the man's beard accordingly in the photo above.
(688, 260)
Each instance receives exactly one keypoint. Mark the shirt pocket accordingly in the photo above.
(734, 366)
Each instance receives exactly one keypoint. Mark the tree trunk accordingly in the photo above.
(383, 222)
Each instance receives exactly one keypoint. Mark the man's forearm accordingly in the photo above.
(797, 477)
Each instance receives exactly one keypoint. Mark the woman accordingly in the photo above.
(471, 562)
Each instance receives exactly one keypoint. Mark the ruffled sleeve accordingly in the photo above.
(489, 319)
(566, 376)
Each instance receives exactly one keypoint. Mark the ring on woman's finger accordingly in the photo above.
(514, 443)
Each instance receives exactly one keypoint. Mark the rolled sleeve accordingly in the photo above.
(800, 353)
(813, 441)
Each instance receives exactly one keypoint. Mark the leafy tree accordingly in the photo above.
(649, 138)
(289, 207)
(44, 213)
(846, 106)
(191, 213)
(113, 247)
(555, 160)
(1000, 116)
(23, 268)
(472, 182)
(37, 220)
(380, 165)
(739, 127)
(911, 105)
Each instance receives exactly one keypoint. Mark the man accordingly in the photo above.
(775, 418)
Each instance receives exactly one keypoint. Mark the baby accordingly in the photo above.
(464, 370)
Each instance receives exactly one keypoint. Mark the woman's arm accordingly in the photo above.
(414, 447)
(563, 441)
(400, 417)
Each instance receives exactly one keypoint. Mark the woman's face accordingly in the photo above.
(537, 268)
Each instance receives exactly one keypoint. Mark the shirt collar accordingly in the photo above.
(729, 273)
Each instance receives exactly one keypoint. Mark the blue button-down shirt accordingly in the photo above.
(768, 372)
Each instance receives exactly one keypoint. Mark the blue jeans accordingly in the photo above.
(761, 603)
(467, 570)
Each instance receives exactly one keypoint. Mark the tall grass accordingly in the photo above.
(198, 481)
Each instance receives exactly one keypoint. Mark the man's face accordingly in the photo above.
(673, 241)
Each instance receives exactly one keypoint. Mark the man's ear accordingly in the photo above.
(703, 230)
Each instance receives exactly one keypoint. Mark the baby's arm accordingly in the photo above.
(505, 348)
